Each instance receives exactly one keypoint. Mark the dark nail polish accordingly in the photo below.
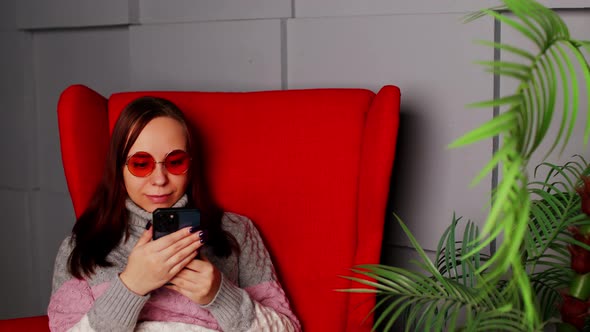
(201, 234)
(194, 229)
(148, 225)
(202, 240)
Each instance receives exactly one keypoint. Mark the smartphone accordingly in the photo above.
(169, 220)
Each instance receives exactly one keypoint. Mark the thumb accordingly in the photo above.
(146, 236)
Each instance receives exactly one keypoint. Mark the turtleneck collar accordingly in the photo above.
(140, 217)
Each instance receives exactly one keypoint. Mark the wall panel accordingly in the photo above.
(430, 58)
(17, 284)
(35, 14)
(209, 56)
(18, 128)
(98, 58)
(8, 11)
(156, 11)
(323, 8)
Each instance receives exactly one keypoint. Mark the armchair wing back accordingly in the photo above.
(311, 168)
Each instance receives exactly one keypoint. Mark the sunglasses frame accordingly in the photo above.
(163, 162)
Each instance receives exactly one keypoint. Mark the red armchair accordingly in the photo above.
(311, 168)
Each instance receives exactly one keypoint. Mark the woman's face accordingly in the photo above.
(160, 189)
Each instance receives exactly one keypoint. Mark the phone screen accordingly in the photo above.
(169, 220)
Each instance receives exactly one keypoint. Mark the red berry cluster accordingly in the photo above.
(576, 307)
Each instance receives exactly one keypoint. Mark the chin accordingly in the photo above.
(153, 207)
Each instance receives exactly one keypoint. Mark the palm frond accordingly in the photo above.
(449, 260)
(504, 291)
(556, 209)
(547, 285)
(523, 128)
(436, 298)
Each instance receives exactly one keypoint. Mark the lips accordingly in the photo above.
(158, 198)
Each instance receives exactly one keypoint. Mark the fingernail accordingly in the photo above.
(202, 240)
(201, 234)
(148, 225)
(194, 229)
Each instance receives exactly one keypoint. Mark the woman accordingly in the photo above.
(110, 275)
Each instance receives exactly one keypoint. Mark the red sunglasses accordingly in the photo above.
(142, 164)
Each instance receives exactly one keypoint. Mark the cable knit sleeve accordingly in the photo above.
(258, 303)
(73, 307)
(71, 298)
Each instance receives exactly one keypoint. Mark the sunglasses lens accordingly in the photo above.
(141, 164)
(177, 162)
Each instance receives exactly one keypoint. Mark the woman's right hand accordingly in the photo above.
(152, 264)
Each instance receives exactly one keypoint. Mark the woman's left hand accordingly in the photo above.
(199, 281)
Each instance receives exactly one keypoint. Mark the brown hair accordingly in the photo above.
(104, 222)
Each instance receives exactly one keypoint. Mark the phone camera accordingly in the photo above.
(168, 222)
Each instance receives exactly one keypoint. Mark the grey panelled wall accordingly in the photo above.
(157, 11)
(97, 57)
(18, 178)
(313, 8)
(431, 66)
(229, 56)
(39, 14)
(116, 45)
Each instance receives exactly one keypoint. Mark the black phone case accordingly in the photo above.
(169, 220)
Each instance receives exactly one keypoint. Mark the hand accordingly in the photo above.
(199, 281)
(151, 264)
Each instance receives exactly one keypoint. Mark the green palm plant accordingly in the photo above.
(553, 216)
(508, 289)
(453, 288)
(440, 295)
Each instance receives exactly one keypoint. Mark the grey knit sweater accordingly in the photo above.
(249, 299)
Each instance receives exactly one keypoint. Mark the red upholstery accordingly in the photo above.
(311, 168)
(32, 324)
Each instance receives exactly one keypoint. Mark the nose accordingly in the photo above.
(159, 176)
